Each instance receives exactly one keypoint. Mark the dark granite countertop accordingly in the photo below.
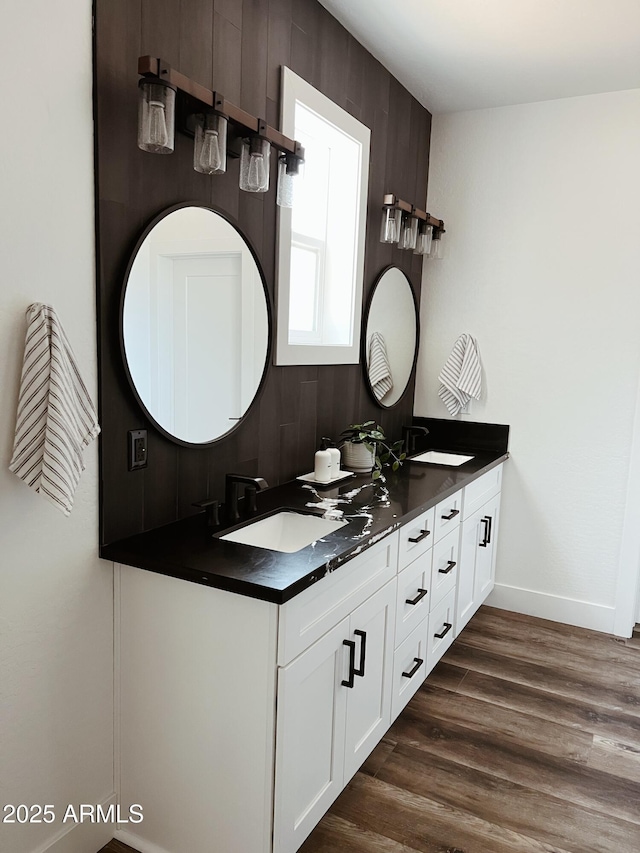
(372, 508)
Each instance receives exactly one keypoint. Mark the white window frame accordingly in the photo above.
(296, 90)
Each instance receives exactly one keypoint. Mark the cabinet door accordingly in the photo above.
(477, 560)
(310, 737)
(486, 564)
(369, 702)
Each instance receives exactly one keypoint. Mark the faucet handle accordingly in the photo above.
(210, 508)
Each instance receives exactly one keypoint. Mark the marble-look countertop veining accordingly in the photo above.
(372, 509)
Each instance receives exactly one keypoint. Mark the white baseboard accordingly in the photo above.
(138, 843)
(583, 614)
(80, 837)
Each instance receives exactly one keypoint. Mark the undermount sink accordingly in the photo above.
(437, 457)
(285, 531)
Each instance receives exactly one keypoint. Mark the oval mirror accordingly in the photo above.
(194, 324)
(391, 337)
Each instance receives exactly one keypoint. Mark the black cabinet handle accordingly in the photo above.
(450, 565)
(363, 652)
(486, 538)
(451, 515)
(414, 668)
(423, 535)
(447, 627)
(352, 663)
(421, 594)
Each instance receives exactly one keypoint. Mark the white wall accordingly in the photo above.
(56, 655)
(541, 207)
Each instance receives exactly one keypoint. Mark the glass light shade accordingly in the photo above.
(254, 165)
(287, 171)
(408, 232)
(210, 144)
(423, 243)
(390, 227)
(437, 249)
(156, 116)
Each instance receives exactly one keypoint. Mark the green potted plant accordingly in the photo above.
(365, 448)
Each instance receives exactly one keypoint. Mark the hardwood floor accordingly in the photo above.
(524, 739)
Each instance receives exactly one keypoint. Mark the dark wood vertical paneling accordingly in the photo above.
(278, 45)
(238, 48)
(161, 29)
(253, 88)
(232, 10)
(196, 40)
(333, 40)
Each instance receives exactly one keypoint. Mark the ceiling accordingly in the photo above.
(472, 54)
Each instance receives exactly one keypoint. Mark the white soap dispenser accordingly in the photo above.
(335, 458)
(322, 464)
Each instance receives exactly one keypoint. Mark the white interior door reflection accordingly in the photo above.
(207, 310)
(195, 325)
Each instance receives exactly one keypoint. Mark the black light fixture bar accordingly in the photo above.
(196, 96)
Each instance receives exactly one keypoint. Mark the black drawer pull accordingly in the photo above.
(414, 668)
(352, 663)
(450, 565)
(363, 652)
(421, 594)
(486, 538)
(451, 515)
(423, 535)
(447, 627)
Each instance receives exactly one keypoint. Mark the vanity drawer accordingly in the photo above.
(481, 490)
(416, 537)
(440, 633)
(305, 618)
(448, 514)
(444, 567)
(409, 667)
(412, 603)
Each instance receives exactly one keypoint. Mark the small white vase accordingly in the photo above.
(357, 457)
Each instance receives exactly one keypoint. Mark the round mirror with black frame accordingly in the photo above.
(195, 324)
(390, 340)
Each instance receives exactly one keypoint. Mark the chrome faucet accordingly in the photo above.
(409, 435)
(231, 493)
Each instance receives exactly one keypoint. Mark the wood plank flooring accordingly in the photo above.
(524, 739)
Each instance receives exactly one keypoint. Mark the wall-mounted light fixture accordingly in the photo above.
(436, 252)
(210, 142)
(169, 100)
(409, 227)
(156, 115)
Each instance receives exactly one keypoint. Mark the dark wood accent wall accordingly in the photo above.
(236, 47)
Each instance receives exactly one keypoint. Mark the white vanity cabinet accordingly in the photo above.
(478, 545)
(334, 705)
(240, 721)
(334, 688)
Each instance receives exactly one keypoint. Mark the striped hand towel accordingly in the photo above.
(56, 419)
(379, 368)
(461, 376)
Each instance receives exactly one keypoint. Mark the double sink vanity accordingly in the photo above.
(250, 695)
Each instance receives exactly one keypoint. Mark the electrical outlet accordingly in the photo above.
(137, 448)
